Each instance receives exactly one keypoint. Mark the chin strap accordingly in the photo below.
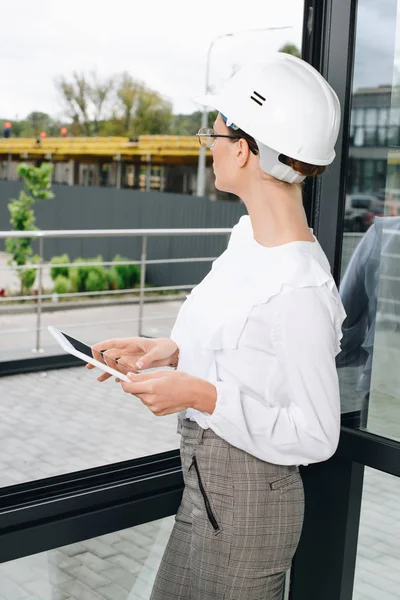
(270, 163)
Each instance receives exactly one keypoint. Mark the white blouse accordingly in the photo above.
(264, 326)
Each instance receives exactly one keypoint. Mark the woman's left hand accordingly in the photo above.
(168, 392)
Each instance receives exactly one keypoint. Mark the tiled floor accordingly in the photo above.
(63, 421)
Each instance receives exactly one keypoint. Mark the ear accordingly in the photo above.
(242, 152)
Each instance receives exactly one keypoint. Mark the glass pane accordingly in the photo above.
(73, 422)
(377, 574)
(370, 136)
(359, 136)
(371, 116)
(117, 566)
(383, 116)
(359, 116)
(394, 115)
(382, 139)
(96, 106)
(370, 273)
(84, 112)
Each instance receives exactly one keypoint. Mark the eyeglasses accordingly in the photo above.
(207, 137)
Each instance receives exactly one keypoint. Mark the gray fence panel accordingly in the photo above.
(109, 208)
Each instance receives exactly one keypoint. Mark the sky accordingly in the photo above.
(163, 43)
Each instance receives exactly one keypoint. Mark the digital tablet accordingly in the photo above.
(83, 351)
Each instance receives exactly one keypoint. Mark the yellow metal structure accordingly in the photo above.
(165, 149)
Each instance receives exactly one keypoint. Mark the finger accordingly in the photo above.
(89, 366)
(107, 344)
(148, 360)
(104, 377)
(138, 388)
(99, 349)
(137, 377)
(122, 363)
(112, 357)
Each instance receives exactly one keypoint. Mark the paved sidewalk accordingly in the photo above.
(65, 421)
(91, 324)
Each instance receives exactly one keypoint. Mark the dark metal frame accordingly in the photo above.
(324, 564)
(53, 512)
(38, 363)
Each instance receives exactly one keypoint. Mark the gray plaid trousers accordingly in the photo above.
(238, 525)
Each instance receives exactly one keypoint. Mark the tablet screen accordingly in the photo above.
(79, 345)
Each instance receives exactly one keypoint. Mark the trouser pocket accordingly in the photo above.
(210, 513)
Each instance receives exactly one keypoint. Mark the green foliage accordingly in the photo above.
(126, 275)
(33, 124)
(37, 184)
(74, 279)
(96, 281)
(115, 281)
(61, 284)
(290, 49)
(128, 110)
(153, 114)
(59, 260)
(190, 124)
(84, 280)
(28, 277)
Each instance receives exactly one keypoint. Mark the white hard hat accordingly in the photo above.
(287, 107)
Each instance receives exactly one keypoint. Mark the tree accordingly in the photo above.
(39, 121)
(99, 93)
(290, 49)
(153, 114)
(76, 98)
(191, 123)
(128, 94)
(34, 123)
(37, 183)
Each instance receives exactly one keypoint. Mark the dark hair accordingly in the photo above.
(250, 140)
(303, 168)
(300, 167)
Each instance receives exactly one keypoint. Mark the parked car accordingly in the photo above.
(360, 211)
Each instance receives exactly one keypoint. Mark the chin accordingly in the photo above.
(219, 186)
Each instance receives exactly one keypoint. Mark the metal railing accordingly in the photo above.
(96, 233)
(350, 242)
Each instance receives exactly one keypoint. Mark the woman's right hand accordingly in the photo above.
(135, 354)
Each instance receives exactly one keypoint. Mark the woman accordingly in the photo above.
(254, 345)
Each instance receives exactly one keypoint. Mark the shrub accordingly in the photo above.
(74, 279)
(81, 276)
(96, 281)
(59, 260)
(128, 275)
(27, 277)
(115, 281)
(61, 284)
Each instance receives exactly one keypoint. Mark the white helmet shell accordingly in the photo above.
(287, 106)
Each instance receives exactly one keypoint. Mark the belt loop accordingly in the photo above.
(200, 435)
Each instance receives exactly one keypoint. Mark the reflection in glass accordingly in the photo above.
(370, 291)
(118, 566)
(382, 116)
(359, 116)
(64, 421)
(370, 274)
(377, 574)
(371, 116)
